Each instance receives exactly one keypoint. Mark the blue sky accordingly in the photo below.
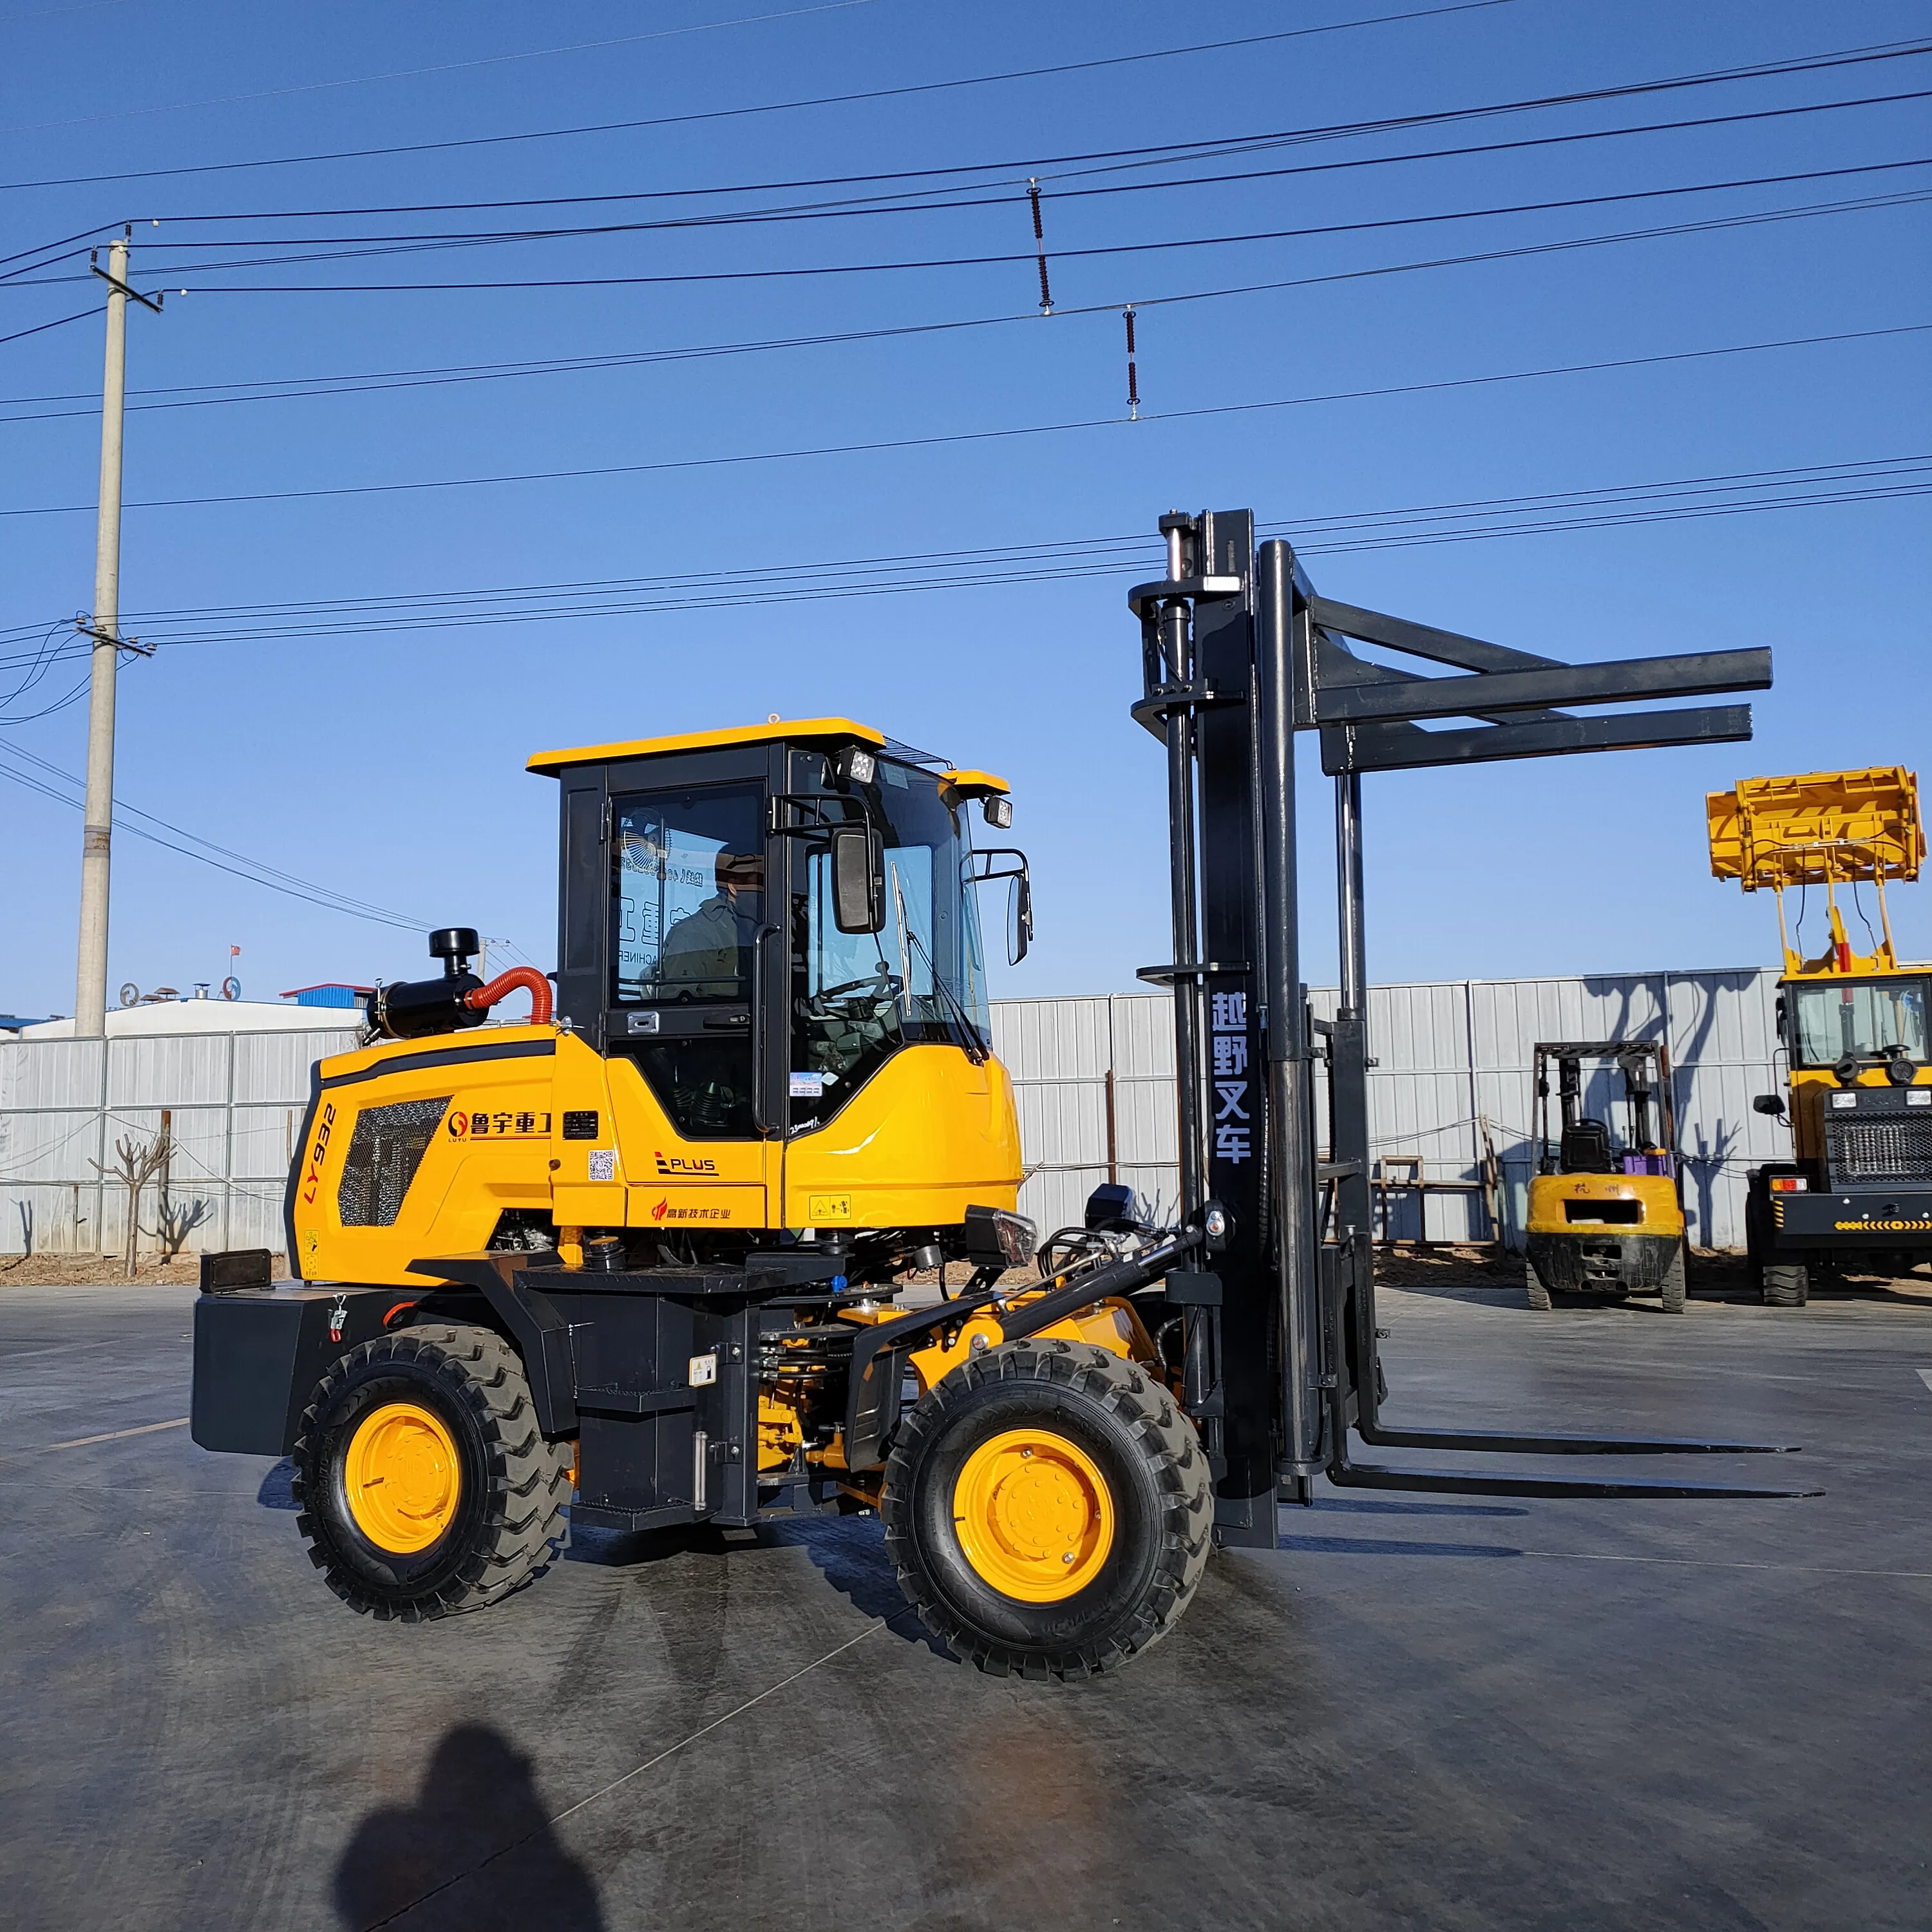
(388, 765)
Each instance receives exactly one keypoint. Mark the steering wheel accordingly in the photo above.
(882, 985)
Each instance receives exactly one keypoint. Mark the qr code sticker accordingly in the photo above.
(603, 1163)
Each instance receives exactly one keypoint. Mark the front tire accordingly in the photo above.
(1048, 1510)
(425, 1485)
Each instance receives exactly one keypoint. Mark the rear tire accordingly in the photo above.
(1671, 1289)
(1533, 1291)
(468, 1508)
(1786, 1285)
(1122, 1465)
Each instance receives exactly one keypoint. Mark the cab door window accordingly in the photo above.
(688, 886)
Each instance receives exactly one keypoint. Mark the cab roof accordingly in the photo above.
(840, 731)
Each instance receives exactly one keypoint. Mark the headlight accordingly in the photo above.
(992, 1234)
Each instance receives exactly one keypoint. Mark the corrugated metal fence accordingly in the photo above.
(1095, 1079)
(234, 1103)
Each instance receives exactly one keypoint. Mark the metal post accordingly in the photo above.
(1290, 1152)
(90, 999)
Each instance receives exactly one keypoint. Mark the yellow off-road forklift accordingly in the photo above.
(648, 1258)
(1606, 1218)
(1857, 1194)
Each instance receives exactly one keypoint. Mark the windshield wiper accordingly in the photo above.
(978, 1052)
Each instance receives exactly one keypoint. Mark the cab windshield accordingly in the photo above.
(1867, 1019)
(921, 979)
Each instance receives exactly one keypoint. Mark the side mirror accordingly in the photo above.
(1002, 863)
(1019, 918)
(1769, 1103)
(858, 879)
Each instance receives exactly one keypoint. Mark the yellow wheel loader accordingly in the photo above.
(1857, 1193)
(1605, 1218)
(653, 1257)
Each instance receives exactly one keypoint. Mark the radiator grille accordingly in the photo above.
(1876, 1152)
(388, 1147)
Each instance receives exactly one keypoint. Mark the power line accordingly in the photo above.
(1118, 159)
(716, 598)
(48, 247)
(1732, 492)
(1877, 50)
(1002, 260)
(283, 388)
(977, 436)
(986, 196)
(417, 73)
(408, 244)
(41, 328)
(337, 247)
(129, 818)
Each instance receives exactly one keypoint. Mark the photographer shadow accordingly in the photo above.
(475, 1849)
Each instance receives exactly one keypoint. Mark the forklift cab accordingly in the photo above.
(760, 919)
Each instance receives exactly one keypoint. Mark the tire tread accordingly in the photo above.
(1166, 1439)
(524, 1529)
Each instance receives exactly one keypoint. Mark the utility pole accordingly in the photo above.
(90, 1002)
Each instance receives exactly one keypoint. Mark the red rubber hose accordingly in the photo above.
(530, 979)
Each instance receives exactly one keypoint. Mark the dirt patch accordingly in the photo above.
(102, 1271)
(1408, 1265)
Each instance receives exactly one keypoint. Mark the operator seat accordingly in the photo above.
(1585, 1148)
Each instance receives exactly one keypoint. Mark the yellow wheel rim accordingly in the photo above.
(402, 1477)
(1034, 1515)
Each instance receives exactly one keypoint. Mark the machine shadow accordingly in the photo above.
(277, 1491)
(474, 1850)
(632, 1549)
(1365, 1545)
(1379, 1506)
(850, 1552)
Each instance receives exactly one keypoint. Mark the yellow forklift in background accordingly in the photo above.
(1852, 1026)
(1605, 1218)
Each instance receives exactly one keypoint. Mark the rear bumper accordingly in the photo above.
(1602, 1263)
(1855, 1222)
(259, 1352)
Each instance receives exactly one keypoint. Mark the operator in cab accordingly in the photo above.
(708, 953)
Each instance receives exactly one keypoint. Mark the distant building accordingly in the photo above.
(331, 993)
(178, 1016)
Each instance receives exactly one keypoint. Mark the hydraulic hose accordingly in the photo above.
(529, 978)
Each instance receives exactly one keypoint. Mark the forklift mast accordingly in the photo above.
(1239, 656)
(1645, 1066)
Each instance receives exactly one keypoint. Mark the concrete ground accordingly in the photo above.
(1420, 1712)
